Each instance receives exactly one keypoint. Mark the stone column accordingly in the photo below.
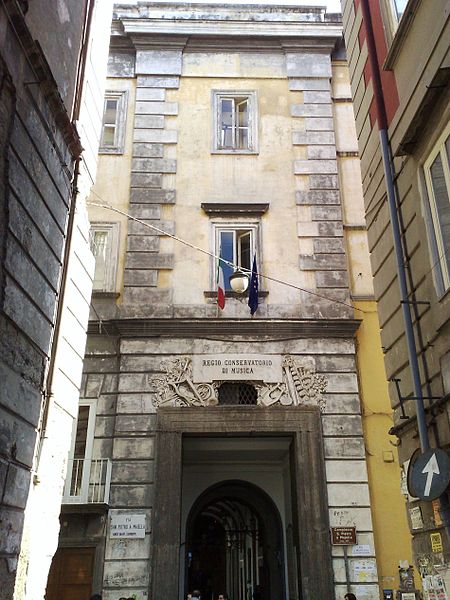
(164, 577)
(316, 572)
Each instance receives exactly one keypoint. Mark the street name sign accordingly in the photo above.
(343, 536)
(127, 526)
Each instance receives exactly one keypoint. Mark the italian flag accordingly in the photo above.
(220, 284)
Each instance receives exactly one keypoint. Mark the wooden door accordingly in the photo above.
(70, 576)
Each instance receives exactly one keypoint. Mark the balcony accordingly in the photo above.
(88, 481)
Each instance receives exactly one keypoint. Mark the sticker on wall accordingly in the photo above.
(436, 542)
(416, 517)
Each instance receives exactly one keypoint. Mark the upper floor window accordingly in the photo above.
(437, 179)
(104, 247)
(237, 244)
(392, 13)
(235, 122)
(398, 7)
(113, 125)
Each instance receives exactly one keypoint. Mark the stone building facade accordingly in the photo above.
(400, 83)
(45, 263)
(213, 449)
(39, 149)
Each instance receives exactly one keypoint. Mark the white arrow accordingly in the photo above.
(430, 469)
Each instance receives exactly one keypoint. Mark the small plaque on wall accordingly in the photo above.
(343, 536)
(237, 367)
(127, 526)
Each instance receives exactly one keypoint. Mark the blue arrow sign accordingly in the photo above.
(429, 474)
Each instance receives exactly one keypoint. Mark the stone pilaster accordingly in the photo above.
(157, 72)
(317, 195)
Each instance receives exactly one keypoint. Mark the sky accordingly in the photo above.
(332, 5)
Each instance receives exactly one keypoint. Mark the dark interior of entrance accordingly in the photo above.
(234, 545)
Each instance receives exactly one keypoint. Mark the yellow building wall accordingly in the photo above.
(391, 531)
(203, 176)
(112, 185)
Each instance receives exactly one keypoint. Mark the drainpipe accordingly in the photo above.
(394, 217)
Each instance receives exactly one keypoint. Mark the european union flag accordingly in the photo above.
(253, 293)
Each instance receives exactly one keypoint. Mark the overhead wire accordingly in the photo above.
(107, 206)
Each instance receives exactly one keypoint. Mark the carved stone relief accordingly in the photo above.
(300, 386)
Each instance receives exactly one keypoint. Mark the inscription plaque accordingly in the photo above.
(127, 526)
(237, 367)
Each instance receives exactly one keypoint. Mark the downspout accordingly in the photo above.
(394, 218)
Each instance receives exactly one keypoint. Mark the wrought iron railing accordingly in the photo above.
(88, 481)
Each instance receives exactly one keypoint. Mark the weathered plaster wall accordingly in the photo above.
(265, 177)
(112, 184)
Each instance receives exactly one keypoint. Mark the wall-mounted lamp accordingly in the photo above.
(239, 281)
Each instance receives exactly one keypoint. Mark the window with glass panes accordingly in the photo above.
(399, 7)
(237, 245)
(104, 246)
(113, 125)
(235, 121)
(437, 177)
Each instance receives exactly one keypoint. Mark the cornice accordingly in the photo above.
(220, 209)
(216, 27)
(188, 328)
(44, 77)
(230, 28)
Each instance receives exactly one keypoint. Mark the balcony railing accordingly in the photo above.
(88, 481)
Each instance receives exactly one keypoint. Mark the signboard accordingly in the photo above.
(361, 550)
(127, 526)
(237, 367)
(428, 475)
(436, 542)
(343, 536)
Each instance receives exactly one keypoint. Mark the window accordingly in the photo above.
(392, 13)
(398, 6)
(235, 127)
(113, 125)
(104, 239)
(237, 244)
(237, 394)
(437, 179)
(88, 479)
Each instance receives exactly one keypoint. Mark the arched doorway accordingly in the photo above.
(234, 544)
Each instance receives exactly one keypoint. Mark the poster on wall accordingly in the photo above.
(434, 588)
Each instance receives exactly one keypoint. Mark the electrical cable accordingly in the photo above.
(218, 258)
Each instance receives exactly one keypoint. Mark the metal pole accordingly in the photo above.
(347, 568)
(409, 331)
